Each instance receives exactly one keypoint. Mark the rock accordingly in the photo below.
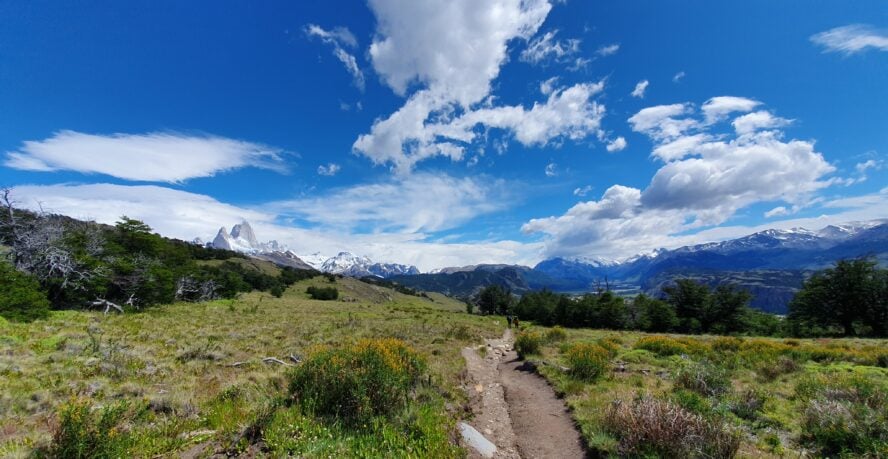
(476, 441)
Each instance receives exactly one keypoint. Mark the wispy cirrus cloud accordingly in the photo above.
(852, 39)
(153, 157)
(340, 38)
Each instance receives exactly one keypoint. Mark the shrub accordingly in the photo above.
(322, 293)
(527, 343)
(587, 361)
(726, 344)
(611, 344)
(770, 371)
(555, 334)
(748, 403)
(844, 414)
(355, 382)
(664, 345)
(651, 427)
(21, 299)
(703, 378)
(86, 433)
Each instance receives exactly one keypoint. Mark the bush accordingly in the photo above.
(771, 370)
(86, 433)
(703, 378)
(21, 299)
(527, 343)
(587, 361)
(665, 346)
(322, 293)
(651, 427)
(555, 334)
(356, 382)
(726, 344)
(748, 403)
(611, 344)
(844, 414)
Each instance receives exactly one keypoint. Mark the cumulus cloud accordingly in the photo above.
(419, 51)
(640, 88)
(546, 47)
(707, 176)
(852, 39)
(617, 144)
(340, 38)
(152, 157)
(608, 50)
(328, 170)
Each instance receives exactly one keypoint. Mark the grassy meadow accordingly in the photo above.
(188, 379)
(644, 395)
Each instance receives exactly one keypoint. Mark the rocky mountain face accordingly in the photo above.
(243, 239)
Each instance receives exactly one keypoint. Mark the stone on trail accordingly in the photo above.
(477, 441)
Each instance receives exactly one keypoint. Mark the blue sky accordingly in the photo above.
(449, 132)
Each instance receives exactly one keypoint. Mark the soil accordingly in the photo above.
(515, 408)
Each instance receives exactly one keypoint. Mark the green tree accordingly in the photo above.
(21, 299)
(655, 315)
(690, 301)
(494, 300)
(850, 296)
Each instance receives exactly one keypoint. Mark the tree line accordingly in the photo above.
(849, 299)
(55, 262)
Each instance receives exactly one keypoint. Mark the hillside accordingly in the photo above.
(194, 376)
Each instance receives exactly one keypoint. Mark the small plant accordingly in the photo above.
(86, 433)
(772, 370)
(703, 378)
(648, 427)
(726, 344)
(611, 344)
(527, 343)
(555, 334)
(322, 293)
(356, 382)
(587, 361)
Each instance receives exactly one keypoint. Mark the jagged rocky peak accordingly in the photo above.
(244, 232)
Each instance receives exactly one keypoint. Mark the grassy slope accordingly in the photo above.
(647, 373)
(175, 357)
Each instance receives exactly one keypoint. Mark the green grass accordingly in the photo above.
(192, 375)
(759, 388)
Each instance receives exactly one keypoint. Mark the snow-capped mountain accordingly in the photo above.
(316, 260)
(243, 239)
(349, 264)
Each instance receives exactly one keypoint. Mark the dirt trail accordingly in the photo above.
(516, 409)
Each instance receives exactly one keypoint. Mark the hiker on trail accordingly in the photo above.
(509, 320)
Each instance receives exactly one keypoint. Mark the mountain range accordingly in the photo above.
(243, 239)
(770, 264)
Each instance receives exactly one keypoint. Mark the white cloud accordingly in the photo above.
(154, 157)
(546, 47)
(640, 88)
(617, 144)
(717, 108)
(869, 164)
(777, 212)
(420, 202)
(549, 85)
(608, 50)
(551, 170)
(755, 121)
(420, 52)
(340, 38)
(851, 39)
(678, 77)
(706, 179)
(582, 191)
(184, 215)
(328, 170)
